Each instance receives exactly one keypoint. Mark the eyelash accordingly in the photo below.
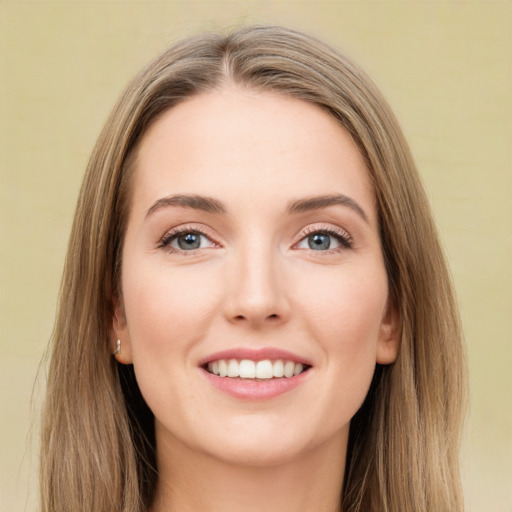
(340, 235)
(172, 235)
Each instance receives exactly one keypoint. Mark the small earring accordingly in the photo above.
(118, 349)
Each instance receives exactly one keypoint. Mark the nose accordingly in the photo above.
(257, 290)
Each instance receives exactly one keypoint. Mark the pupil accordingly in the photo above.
(319, 241)
(189, 241)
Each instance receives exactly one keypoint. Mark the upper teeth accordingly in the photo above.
(247, 369)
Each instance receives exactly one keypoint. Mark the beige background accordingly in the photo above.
(444, 66)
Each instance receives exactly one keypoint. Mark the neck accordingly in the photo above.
(311, 482)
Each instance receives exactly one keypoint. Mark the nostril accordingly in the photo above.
(273, 317)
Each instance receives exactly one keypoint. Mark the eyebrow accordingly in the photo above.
(207, 204)
(211, 205)
(318, 202)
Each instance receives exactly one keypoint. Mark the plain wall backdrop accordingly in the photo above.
(445, 67)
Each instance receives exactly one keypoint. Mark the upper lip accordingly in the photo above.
(260, 354)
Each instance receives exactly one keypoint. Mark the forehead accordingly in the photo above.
(248, 146)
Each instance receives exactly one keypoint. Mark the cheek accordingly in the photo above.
(345, 306)
(343, 312)
(167, 309)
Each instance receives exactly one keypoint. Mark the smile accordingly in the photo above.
(249, 369)
(256, 374)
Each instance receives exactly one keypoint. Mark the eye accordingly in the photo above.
(325, 240)
(186, 240)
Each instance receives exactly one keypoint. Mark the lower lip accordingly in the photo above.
(247, 389)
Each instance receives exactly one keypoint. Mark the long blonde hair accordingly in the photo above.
(98, 446)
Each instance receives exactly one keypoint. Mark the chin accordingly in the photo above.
(263, 454)
(269, 444)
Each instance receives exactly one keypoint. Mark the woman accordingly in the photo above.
(253, 245)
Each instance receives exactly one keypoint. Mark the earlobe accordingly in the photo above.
(120, 336)
(390, 333)
(120, 355)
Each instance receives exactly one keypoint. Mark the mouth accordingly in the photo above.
(256, 374)
(255, 370)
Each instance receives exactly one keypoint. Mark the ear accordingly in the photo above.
(389, 335)
(119, 331)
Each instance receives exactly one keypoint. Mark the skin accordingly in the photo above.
(254, 282)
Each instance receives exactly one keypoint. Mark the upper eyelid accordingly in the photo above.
(187, 228)
(318, 228)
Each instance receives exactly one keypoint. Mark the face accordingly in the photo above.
(254, 295)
